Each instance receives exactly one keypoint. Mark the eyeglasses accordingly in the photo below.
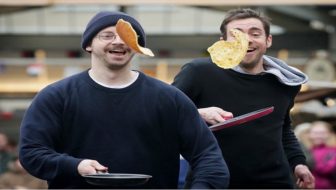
(108, 37)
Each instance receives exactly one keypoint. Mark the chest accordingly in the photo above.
(232, 91)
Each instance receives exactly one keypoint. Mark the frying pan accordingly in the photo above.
(117, 179)
(242, 119)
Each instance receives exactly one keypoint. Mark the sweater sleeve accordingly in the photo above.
(291, 145)
(40, 137)
(200, 148)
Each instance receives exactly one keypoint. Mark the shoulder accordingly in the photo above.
(164, 90)
(62, 87)
(71, 80)
(200, 62)
(199, 65)
(157, 85)
(292, 91)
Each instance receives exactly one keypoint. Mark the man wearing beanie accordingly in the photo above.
(112, 119)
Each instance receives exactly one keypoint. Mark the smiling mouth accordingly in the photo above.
(119, 52)
(251, 50)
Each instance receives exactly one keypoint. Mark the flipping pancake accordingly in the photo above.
(129, 36)
(228, 54)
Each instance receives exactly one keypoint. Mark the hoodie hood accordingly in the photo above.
(286, 74)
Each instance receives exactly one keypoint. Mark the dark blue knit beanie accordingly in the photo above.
(107, 18)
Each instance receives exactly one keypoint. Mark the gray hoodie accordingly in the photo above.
(286, 74)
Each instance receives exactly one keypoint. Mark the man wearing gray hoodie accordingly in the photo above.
(263, 153)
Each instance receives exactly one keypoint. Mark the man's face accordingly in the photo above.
(258, 41)
(108, 48)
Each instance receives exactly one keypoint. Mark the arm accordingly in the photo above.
(295, 155)
(292, 147)
(40, 136)
(41, 140)
(200, 148)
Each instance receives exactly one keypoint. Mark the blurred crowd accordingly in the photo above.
(12, 174)
(318, 140)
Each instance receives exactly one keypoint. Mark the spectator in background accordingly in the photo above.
(5, 155)
(324, 156)
(301, 132)
(18, 178)
(12, 146)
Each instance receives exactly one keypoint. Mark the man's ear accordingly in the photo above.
(88, 48)
(269, 41)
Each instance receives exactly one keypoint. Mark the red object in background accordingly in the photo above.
(73, 54)
(164, 53)
(6, 115)
(28, 53)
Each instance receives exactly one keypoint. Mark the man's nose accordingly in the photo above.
(118, 40)
(249, 38)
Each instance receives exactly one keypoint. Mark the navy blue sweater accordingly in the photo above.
(260, 153)
(142, 128)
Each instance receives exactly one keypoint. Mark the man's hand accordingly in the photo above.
(86, 167)
(213, 115)
(305, 180)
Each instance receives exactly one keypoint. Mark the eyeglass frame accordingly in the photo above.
(109, 36)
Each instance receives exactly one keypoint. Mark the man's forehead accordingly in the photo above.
(246, 23)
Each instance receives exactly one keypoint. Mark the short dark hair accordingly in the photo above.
(237, 14)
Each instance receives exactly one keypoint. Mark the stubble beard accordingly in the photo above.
(251, 64)
(248, 65)
(118, 66)
(115, 67)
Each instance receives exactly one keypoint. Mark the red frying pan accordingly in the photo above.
(242, 119)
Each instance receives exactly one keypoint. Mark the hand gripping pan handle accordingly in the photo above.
(242, 119)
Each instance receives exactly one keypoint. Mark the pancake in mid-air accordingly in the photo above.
(129, 36)
(228, 54)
